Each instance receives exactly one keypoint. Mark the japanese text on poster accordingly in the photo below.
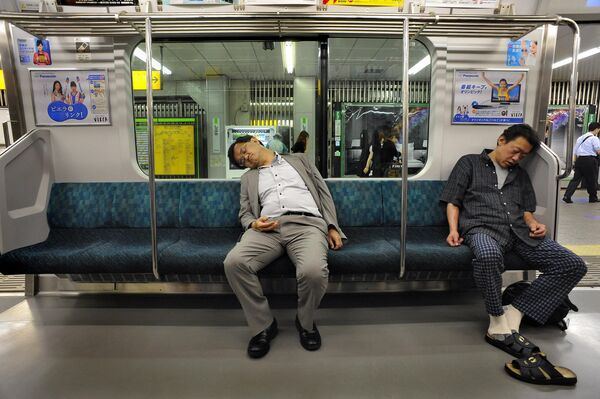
(489, 97)
(70, 97)
(521, 52)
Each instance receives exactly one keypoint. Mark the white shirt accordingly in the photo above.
(501, 174)
(589, 147)
(281, 189)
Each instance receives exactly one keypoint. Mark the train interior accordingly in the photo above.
(114, 225)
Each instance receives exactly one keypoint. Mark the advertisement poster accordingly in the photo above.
(489, 97)
(462, 3)
(103, 3)
(26, 50)
(83, 50)
(380, 3)
(70, 97)
(41, 54)
(522, 52)
(195, 2)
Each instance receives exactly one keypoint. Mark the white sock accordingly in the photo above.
(498, 327)
(513, 317)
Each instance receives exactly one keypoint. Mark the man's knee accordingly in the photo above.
(312, 274)
(233, 263)
(578, 267)
(490, 259)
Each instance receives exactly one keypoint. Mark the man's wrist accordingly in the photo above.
(331, 227)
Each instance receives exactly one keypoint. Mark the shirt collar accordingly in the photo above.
(277, 160)
(485, 157)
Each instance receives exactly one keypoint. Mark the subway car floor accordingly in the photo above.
(406, 345)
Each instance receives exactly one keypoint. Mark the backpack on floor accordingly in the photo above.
(556, 319)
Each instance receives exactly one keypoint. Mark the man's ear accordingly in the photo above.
(501, 140)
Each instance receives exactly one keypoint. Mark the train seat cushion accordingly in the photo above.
(104, 227)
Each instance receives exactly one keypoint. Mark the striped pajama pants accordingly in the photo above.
(561, 271)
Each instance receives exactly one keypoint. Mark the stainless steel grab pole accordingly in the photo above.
(572, 97)
(150, 125)
(405, 110)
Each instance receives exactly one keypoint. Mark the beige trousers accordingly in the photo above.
(304, 239)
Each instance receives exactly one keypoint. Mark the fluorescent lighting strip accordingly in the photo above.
(141, 54)
(585, 54)
(420, 65)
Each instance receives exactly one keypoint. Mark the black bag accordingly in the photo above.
(557, 318)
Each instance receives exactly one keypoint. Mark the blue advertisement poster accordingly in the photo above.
(522, 53)
(489, 97)
(70, 97)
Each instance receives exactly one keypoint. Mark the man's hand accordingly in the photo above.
(264, 224)
(334, 239)
(537, 230)
(454, 239)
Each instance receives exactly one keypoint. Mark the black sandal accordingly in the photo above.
(515, 344)
(537, 369)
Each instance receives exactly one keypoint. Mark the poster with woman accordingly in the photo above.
(494, 96)
(41, 56)
(70, 97)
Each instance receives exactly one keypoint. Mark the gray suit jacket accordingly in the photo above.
(250, 202)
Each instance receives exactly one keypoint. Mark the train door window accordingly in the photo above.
(206, 94)
(365, 107)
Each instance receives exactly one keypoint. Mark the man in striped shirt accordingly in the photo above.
(586, 150)
(490, 206)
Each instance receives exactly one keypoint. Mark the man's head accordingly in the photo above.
(514, 144)
(593, 127)
(248, 152)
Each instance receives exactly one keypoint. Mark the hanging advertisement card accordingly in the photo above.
(102, 3)
(522, 52)
(494, 97)
(378, 3)
(70, 97)
(462, 3)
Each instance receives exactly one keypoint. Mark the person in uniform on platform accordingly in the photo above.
(586, 151)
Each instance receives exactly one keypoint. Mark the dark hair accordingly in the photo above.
(300, 144)
(54, 85)
(593, 126)
(73, 84)
(241, 139)
(503, 80)
(525, 131)
(38, 43)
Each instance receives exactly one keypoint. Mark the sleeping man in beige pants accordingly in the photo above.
(285, 207)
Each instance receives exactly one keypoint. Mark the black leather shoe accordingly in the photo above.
(594, 200)
(259, 344)
(310, 340)
(567, 200)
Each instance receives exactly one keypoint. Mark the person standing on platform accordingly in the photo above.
(586, 152)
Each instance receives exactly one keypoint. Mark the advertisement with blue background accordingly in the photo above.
(489, 97)
(70, 97)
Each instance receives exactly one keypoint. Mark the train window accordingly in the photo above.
(206, 94)
(365, 106)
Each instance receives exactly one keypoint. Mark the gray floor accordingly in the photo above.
(419, 345)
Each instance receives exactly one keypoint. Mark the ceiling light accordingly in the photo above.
(420, 65)
(585, 54)
(141, 54)
(288, 55)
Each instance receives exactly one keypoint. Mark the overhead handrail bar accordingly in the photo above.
(572, 97)
(150, 125)
(405, 110)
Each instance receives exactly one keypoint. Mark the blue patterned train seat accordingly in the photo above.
(100, 228)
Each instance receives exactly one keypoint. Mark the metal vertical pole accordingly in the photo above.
(150, 124)
(572, 98)
(14, 98)
(405, 105)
